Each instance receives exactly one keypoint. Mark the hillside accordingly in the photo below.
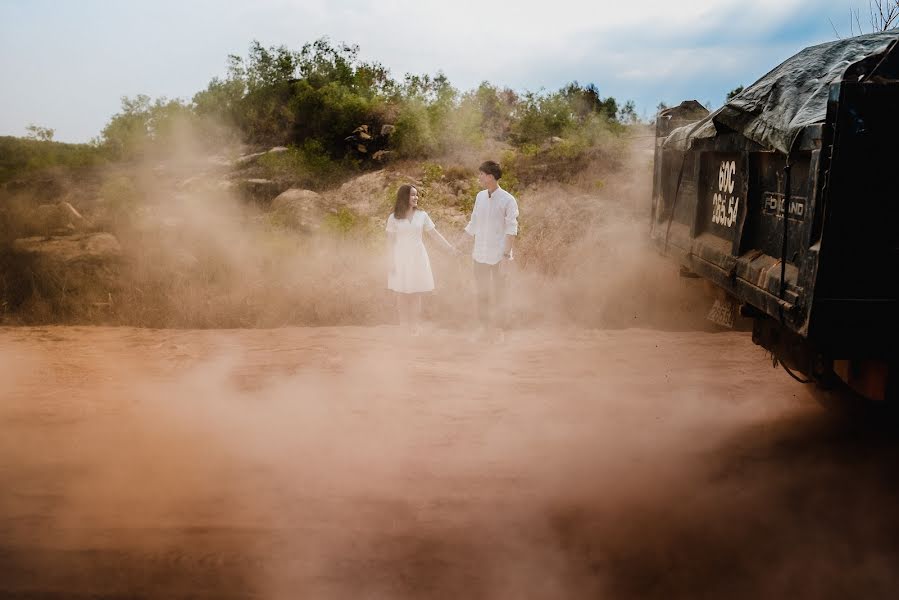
(219, 241)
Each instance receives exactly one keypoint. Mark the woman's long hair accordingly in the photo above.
(403, 204)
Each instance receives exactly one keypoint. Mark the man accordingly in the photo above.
(493, 225)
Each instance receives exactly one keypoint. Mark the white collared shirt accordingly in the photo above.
(492, 219)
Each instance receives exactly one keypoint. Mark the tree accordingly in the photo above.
(886, 16)
(36, 132)
(127, 130)
(585, 100)
(321, 92)
(627, 114)
(883, 15)
(734, 93)
(495, 108)
(142, 123)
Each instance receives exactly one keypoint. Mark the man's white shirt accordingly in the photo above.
(492, 219)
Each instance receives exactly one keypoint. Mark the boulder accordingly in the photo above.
(73, 272)
(260, 191)
(204, 184)
(47, 219)
(218, 162)
(57, 219)
(37, 189)
(247, 159)
(369, 194)
(300, 209)
(250, 159)
(72, 213)
(71, 249)
(191, 183)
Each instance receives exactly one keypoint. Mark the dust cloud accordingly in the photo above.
(199, 250)
(612, 447)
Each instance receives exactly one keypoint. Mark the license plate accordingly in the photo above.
(722, 313)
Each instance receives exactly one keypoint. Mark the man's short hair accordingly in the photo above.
(491, 168)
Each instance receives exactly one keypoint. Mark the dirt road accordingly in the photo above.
(355, 463)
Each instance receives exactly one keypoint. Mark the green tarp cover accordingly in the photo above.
(793, 95)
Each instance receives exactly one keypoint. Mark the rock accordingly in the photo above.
(260, 191)
(218, 161)
(47, 218)
(73, 271)
(247, 159)
(37, 189)
(293, 195)
(202, 184)
(299, 209)
(60, 218)
(555, 140)
(190, 184)
(387, 129)
(278, 150)
(382, 155)
(66, 250)
(368, 194)
(73, 214)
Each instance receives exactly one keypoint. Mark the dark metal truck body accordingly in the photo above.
(787, 198)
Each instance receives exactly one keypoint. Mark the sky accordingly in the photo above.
(66, 64)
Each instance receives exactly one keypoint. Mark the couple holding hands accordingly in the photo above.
(493, 226)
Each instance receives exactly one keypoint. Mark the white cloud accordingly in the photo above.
(98, 50)
(471, 41)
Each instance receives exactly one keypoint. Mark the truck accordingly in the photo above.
(786, 199)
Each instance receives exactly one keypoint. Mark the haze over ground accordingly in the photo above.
(612, 446)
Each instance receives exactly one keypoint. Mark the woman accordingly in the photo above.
(410, 273)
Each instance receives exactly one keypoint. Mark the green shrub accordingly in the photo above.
(19, 157)
(308, 165)
(120, 199)
(414, 137)
(279, 96)
(343, 221)
(151, 128)
(431, 173)
(322, 93)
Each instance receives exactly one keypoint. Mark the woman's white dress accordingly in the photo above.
(412, 268)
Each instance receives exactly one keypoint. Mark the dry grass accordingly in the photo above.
(203, 258)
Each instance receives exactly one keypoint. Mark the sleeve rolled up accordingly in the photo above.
(511, 220)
